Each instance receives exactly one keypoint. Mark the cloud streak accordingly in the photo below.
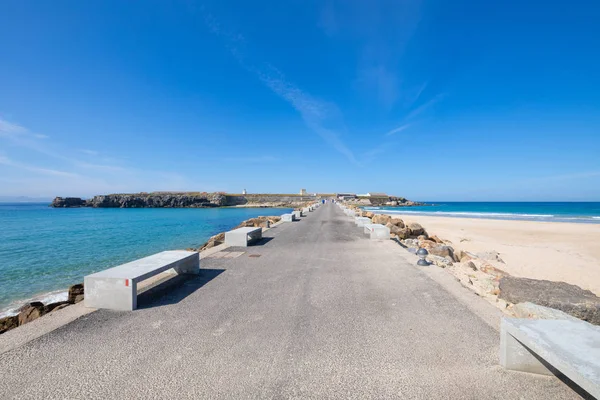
(31, 168)
(323, 118)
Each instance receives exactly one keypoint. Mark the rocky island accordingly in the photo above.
(216, 199)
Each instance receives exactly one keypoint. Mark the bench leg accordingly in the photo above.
(516, 357)
(190, 265)
(110, 293)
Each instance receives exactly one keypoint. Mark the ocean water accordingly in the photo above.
(528, 211)
(45, 250)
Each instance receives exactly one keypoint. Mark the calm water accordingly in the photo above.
(557, 212)
(44, 250)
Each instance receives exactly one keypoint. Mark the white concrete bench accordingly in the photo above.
(361, 221)
(305, 211)
(570, 347)
(297, 214)
(287, 217)
(377, 231)
(116, 288)
(243, 236)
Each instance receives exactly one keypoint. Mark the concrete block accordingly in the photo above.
(377, 231)
(361, 221)
(305, 211)
(287, 217)
(570, 347)
(116, 288)
(243, 236)
(297, 214)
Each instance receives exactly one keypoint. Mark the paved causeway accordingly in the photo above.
(315, 311)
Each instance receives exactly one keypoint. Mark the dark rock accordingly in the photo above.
(416, 229)
(67, 202)
(442, 251)
(8, 323)
(398, 222)
(403, 233)
(30, 312)
(74, 292)
(571, 299)
(56, 306)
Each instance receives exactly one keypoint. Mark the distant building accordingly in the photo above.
(373, 194)
(244, 192)
(302, 192)
(345, 196)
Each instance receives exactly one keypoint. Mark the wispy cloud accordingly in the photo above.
(398, 129)
(31, 168)
(422, 108)
(323, 118)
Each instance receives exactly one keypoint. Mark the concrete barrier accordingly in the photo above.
(297, 214)
(243, 236)
(116, 288)
(571, 347)
(377, 231)
(287, 217)
(361, 221)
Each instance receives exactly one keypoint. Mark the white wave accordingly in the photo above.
(595, 217)
(46, 298)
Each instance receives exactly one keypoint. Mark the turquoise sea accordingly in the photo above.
(529, 211)
(44, 250)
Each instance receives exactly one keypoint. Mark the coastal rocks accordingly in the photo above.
(67, 202)
(75, 293)
(8, 323)
(403, 233)
(571, 299)
(381, 219)
(59, 305)
(490, 256)
(441, 262)
(416, 229)
(442, 251)
(159, 200)
(258, 222)
(398, 222)
(213, 241)
(30, 312)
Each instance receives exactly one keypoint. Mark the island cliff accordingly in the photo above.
(207, 200)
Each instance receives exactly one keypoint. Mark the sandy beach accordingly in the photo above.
(553, 251)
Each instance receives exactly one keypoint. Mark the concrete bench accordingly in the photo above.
(297, 214)
(116, 288)
(287, 217)
(570, 347)
(305, 211)
(361, 221)
(243, 236)
(377, 231)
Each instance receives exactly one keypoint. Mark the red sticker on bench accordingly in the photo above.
(126, 282)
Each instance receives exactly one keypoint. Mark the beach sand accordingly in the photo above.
(553, 251)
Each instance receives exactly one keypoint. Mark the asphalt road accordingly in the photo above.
(316, 311)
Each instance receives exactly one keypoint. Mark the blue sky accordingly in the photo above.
(432, 100)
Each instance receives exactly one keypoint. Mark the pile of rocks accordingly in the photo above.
(36, 309)
(262, 222)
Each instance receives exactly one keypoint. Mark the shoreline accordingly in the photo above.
(543, 250)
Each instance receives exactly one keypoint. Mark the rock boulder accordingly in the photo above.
(30, 312)
(562, 296)
(75, 293)
(381, 219)
(8, 323)
(416, 229)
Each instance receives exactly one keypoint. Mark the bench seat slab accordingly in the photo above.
(571, 347)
